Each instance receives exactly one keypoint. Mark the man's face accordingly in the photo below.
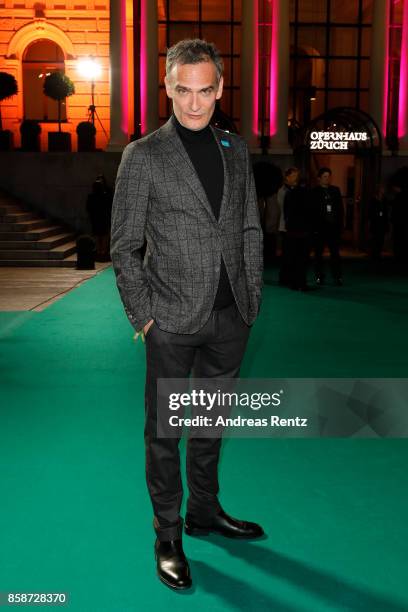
(325, 179)
(194, 90)
(292, 179)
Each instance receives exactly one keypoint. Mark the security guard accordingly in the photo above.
(328, 218)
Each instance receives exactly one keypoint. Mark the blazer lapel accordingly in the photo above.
(225, 145)
(179, 158)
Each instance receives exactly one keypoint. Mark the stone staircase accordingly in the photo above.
(28, 239)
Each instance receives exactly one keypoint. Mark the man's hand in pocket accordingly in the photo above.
(143, 332)
(148, 326)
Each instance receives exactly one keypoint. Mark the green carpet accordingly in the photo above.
(75, 515)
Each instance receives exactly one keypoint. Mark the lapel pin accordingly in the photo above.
(225, 143)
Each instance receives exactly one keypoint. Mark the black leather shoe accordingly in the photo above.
(224, 525)
(172, 565)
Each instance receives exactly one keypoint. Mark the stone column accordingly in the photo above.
(118, 76)
(149, 57)
(403, 87)
(249, 73)
(279, 78)
(379, 65)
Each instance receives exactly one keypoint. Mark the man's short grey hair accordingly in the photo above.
(194, 51)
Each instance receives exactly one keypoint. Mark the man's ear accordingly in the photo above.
(169, 90)
(220, 87)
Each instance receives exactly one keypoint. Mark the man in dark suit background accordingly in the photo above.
(188, 189)
(298, 223)
(328, 224)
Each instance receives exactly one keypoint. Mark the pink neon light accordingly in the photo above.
(274, 71)
(143, 67)
(124, 69)
(255, 109)
(383, 126)
(403, 85)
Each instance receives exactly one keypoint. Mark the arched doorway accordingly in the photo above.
(41, 58)
(349, 142)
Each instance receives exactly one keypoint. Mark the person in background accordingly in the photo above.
(328, 215)
(291, 179)
(298, 223)
(271, 223)
(99, 208)
(268, 179)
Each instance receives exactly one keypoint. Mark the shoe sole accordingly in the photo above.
(172, 586)
(197, 531)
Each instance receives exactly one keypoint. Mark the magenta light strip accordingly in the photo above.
(403, 85)
(387, 70)
(124, 69)
(255, 109)
(274, 69)
(143, 66)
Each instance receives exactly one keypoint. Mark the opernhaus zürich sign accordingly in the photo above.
(336, 140)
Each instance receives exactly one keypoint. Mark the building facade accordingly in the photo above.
(285, 62)
(300, 75)
(37, 38)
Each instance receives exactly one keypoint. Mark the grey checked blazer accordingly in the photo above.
(158, 196)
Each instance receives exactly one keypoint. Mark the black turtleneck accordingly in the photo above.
(205, 156)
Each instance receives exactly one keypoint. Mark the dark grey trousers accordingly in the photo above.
(215, 351)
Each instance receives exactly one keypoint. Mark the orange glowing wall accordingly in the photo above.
(80, 28)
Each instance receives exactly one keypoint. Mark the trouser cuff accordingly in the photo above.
(169, 532)
(203, 515)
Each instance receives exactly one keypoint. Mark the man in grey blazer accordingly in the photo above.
(188, 190)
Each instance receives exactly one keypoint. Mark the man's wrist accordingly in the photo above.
(140, 330)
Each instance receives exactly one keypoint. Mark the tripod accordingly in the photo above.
(92, 113)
